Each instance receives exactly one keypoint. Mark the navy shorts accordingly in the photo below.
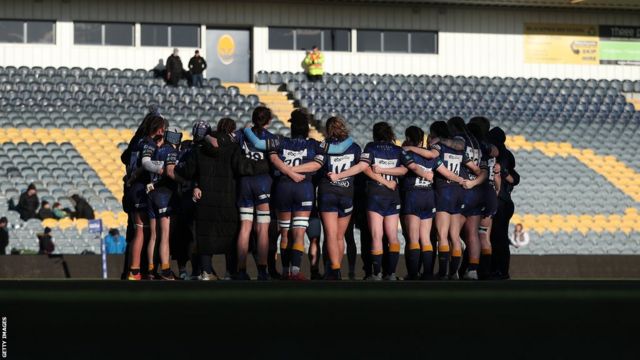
(137, 197)
(421, 203)
(254, 190)
(290, 196)
(383, 201)
(330, 200)
(160, 203)
(490, 201)
(314, 229)
(473, 202)
(450, 198)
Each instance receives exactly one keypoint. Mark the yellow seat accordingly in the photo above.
(50, 222)
(81, 224)
(65, 223)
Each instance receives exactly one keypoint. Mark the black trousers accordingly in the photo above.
(500, 238)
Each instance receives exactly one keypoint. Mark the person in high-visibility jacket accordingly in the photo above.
(313, 63)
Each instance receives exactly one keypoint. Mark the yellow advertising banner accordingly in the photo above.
(561, 44)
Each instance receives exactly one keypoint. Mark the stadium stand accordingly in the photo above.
(575, 142)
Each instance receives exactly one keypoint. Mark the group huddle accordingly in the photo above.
(231, 191)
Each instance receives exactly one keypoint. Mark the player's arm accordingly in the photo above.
(494, 152)
(396, 171)
(456, 143)
(154, 167)
(352, 171)
(391, 185)
(449, 175)
(423, 173)
(284, 169)
(311, 166)
(425, 153)
(497, 178)
(480, 172)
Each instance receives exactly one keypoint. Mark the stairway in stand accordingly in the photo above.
(277, 101)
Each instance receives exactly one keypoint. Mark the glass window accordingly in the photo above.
(185, 35)
(337, 40)
(369, 40)
(424, 42)
(154, 35)
(41, 32)
(281, 38)
(118, 34)
(306, 39)
(11, 31)
(87, 33)
(395, 41)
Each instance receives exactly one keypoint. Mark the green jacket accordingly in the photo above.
(314, 62)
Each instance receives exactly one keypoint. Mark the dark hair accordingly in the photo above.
(457, 126)
(31, 186)
(226, 126)
(155, 123)
(47, 230)
(4, 220)
(476, 131)
(382, 131)
(300, 123)
(414, 135)
(483, 123)
(439, 129)
(114, 232)
(337, 128)
(44, 202)
(56, 204)
(260, 118)
(497, 137)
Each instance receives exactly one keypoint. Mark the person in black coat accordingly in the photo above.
(4, 235)
(83, 209)
(174, 68)
(45, 242)
(28, 203)
(45, 211)
(215, 164)
(508, 179)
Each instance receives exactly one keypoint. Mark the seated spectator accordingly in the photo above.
(159, 71)
(520, 237)
(45, 211)
(114, 242)
(83, 209)
(46, 242)
(4, 235)
(59, 212)
(28, 203)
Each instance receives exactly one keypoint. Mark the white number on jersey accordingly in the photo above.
(294, 158)
(420, 181)
(387, 164)
(254, 155)
(490, 164)
(341, 163)
(453, 162)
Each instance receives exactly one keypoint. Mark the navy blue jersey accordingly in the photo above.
(488, 160)
(339, 163)
(248, 149)
(413, 181)
(473, 153)
(294, 152)
(145, 147)
(166, 155)
(385, 155)
(453, 159)
(183, 155)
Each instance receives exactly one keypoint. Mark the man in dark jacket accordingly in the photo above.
(4, 235)
(215, 169)
(45, 242)
(45, 211)
(83, 209)
(174, 68)
(197, 65)
(509, 177)
(28, 203)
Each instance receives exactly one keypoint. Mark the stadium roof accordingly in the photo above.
(583, 4)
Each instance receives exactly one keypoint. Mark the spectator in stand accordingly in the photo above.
(45, 211)
(174, 68)
(83, 209)
(197, 65)
(159, 71)
(520, 237)
(313, 64)
(28, 203)
(59, 212)
(46, 242)
(114, 242)
(4, 235)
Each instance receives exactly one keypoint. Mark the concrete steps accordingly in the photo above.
(277, 101)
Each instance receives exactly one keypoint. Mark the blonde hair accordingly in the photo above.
(337, 128)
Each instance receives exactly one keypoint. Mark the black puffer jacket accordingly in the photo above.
(215, 171)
